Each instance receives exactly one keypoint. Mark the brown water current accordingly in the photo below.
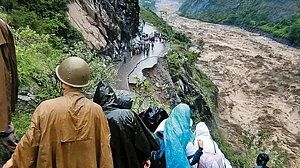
(258, 81)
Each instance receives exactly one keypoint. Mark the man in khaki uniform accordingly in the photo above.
(8, 86)
(69, 131)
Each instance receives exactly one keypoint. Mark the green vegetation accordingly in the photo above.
(37, 59)
(144, 97)
(44, 38)
(198, 86)
(181, 65)
(174, 36)
(258, 142)
(254, 143)
(237, 159)
(280, 18)
(149, 4)
(44, 17)
(21, 121)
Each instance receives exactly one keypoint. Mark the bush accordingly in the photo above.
(294, 32)
(23, 18)
(21, 121)
(44, 17)
(254, 143)
(37, 60)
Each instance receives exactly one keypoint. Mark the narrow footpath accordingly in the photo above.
(134, 66)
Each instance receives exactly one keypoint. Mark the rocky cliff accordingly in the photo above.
(108, 25)
(192, 86)
(259, 9)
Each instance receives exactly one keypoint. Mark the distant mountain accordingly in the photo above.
(272, 10)
(280, 17)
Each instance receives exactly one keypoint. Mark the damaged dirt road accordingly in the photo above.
(258, 81)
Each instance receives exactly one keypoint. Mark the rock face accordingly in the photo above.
(263, 9)
(193, 88)
(107, 24)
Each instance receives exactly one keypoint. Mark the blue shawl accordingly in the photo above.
(176, 136)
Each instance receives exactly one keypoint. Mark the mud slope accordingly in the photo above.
(258, 79)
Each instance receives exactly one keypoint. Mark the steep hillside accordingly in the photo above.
(148, 4)
(261, 9)
(257, 80)
(104, 24)
(281, 18)
(44, 37)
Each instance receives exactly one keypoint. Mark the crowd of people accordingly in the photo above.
(143, 45)
(144, 42)
(71, 131)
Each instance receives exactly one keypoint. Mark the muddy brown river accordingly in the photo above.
(258, 81)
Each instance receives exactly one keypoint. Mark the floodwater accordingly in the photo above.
(258, 81)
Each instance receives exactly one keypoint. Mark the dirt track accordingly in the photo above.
(258, 79)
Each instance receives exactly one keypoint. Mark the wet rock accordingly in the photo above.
(105, 24)
(189, 86)
(194, 50)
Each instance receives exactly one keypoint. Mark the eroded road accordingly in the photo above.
(134, 66)
(258, 81)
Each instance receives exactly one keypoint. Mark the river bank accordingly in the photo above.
(257, 80)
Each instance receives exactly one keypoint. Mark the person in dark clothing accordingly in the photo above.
(153, 116)
(131, 141)
(125, 58)
(262, 160)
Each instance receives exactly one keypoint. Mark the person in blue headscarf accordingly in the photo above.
(177, 137)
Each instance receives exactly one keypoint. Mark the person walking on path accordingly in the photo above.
(69, 131)
(212, 155)
(177, 140)
(125, 58)
(131, 141)
(8, 87)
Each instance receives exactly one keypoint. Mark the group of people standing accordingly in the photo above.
(144, 42)
(71, 131)
(144, 45)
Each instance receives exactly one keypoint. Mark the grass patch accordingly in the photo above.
(253, 144)
(21, 121)
(235, 159)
